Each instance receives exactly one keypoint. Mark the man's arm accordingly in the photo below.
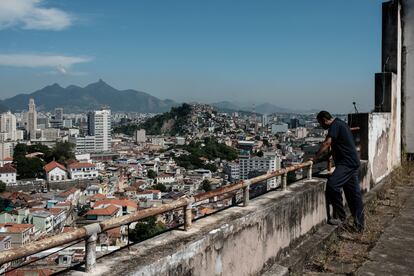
(324, 147)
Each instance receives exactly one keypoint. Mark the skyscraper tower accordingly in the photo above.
(31, 120)
(99, 125)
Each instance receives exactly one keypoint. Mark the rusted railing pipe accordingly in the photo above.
(141, 214)
(41, 245)
(88, 232)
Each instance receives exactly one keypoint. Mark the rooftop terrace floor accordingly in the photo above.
(394, 252)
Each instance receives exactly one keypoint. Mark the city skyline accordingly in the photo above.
(301, 54)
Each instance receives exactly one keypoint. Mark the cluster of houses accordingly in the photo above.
(56, 172)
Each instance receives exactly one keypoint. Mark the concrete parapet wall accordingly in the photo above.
(384, 146)
(236, 241)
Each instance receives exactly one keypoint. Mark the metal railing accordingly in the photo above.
(90, 232)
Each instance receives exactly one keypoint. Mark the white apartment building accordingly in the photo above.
(82, 171)
(301, 132)
(232, 169)
(6, 150)
(83, 144)
(8, 175)
(269, 162)
(99, 126)
(8, 126)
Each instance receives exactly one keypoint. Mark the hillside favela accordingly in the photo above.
(212, 138)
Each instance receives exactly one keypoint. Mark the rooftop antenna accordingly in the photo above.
(356, 109)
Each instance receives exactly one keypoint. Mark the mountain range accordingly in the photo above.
(93, 96)
(96, 95)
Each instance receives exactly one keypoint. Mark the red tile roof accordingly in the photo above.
(7, 169)
(97, 197)
(53, 165)
(16, 227)
(107, 211)
(118, 202)
(68, 192)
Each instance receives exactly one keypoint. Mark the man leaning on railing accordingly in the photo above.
(345, 176)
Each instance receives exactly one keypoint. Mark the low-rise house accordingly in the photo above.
(72, 195)
(83, 171)
(95, 198)
(8, 175)
(149, 194)
(127, 206)
(5, 243)
(59, 217)
(20, 234)
(14, 216)
(93, 190)
(55, 172)
(131, 191)
(165, 178)
(42, 219)
(103, 213)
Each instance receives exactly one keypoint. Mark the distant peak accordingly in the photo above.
(55, 85)
(99, 83)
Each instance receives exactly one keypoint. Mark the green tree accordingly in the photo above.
(260, 153)
(160, 187)
(151, 174)
(62, 152)
(2, 186)
(145, 229)
(206, 185)
(29, 167)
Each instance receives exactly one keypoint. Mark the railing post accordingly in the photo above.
(90, 252)
(284, 182)
(310, 171)
(329, 164)
(246, 195)
(188, 216)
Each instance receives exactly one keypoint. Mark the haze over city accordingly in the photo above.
(300, 54)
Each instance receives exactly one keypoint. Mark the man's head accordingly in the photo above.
(325, 119)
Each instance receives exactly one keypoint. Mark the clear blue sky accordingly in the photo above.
(297, 54)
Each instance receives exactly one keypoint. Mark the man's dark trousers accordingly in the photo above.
(347, 179)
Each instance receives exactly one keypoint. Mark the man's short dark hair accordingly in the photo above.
(323, 115)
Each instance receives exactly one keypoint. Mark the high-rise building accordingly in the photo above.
(140, 136)
(99, 126)
(294, 123)
(269, 162)
(8, 126)
(59, 113)
(31, 126)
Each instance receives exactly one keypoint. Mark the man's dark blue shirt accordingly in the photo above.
(343, 145)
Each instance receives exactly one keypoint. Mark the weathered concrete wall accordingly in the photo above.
(408, 74)
(236, 241)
